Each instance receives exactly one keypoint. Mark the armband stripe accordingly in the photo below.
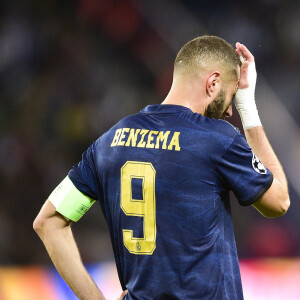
(69, 201)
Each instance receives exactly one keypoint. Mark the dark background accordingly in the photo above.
(70, 69)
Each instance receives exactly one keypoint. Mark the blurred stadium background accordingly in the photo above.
(70, 69)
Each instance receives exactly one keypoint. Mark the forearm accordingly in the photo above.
(275, 202)
(260, 145)
(63, 251)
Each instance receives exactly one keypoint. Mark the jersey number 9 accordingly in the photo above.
(139, 208)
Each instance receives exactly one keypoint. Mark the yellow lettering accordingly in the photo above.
(121, 138)
(121, 142)
(175, 141)
(151, 138)
(141, 143)
(162, 137)
(145, 208)
(116, 137)
(132, 137)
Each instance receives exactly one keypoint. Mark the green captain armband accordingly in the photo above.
(69, 201)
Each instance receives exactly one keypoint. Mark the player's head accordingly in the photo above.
(214, 65)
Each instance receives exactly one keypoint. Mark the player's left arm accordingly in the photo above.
(275, 201)
(56, 234)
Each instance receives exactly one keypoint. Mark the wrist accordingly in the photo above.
(246, 106)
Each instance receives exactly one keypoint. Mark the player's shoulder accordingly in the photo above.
(216, 127)
(223, 127)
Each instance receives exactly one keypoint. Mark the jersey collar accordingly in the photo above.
(164, 108)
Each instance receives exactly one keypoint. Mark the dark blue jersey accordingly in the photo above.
(163, 177)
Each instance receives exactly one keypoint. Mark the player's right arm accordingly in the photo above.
(275, 201)
(56, 234)
(65, 205)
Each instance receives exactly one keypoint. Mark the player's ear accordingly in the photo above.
(213, 84)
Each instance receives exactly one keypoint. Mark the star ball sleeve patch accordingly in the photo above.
(69, 201)
(257, 165)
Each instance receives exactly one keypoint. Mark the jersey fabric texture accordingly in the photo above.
(194, 252)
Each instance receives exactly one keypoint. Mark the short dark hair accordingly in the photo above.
(205, 51)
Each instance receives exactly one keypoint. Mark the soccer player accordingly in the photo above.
(162, 178)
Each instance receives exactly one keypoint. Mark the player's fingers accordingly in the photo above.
(244, 69)
(238, 49)
(246, 53)
(244, 80)
(240, 53)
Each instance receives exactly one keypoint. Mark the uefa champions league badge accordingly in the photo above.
(258, 166)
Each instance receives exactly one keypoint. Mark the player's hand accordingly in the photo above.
(245, 96)
(122, 295)
(248, 71)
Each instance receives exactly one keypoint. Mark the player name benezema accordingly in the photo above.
(145, 138)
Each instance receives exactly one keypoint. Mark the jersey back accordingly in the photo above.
(163, 178)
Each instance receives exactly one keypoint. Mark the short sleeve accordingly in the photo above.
(84, 174)
(240, 170)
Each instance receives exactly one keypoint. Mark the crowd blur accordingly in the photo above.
(70, 69)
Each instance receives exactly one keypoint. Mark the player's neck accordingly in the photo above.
(186, 95)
